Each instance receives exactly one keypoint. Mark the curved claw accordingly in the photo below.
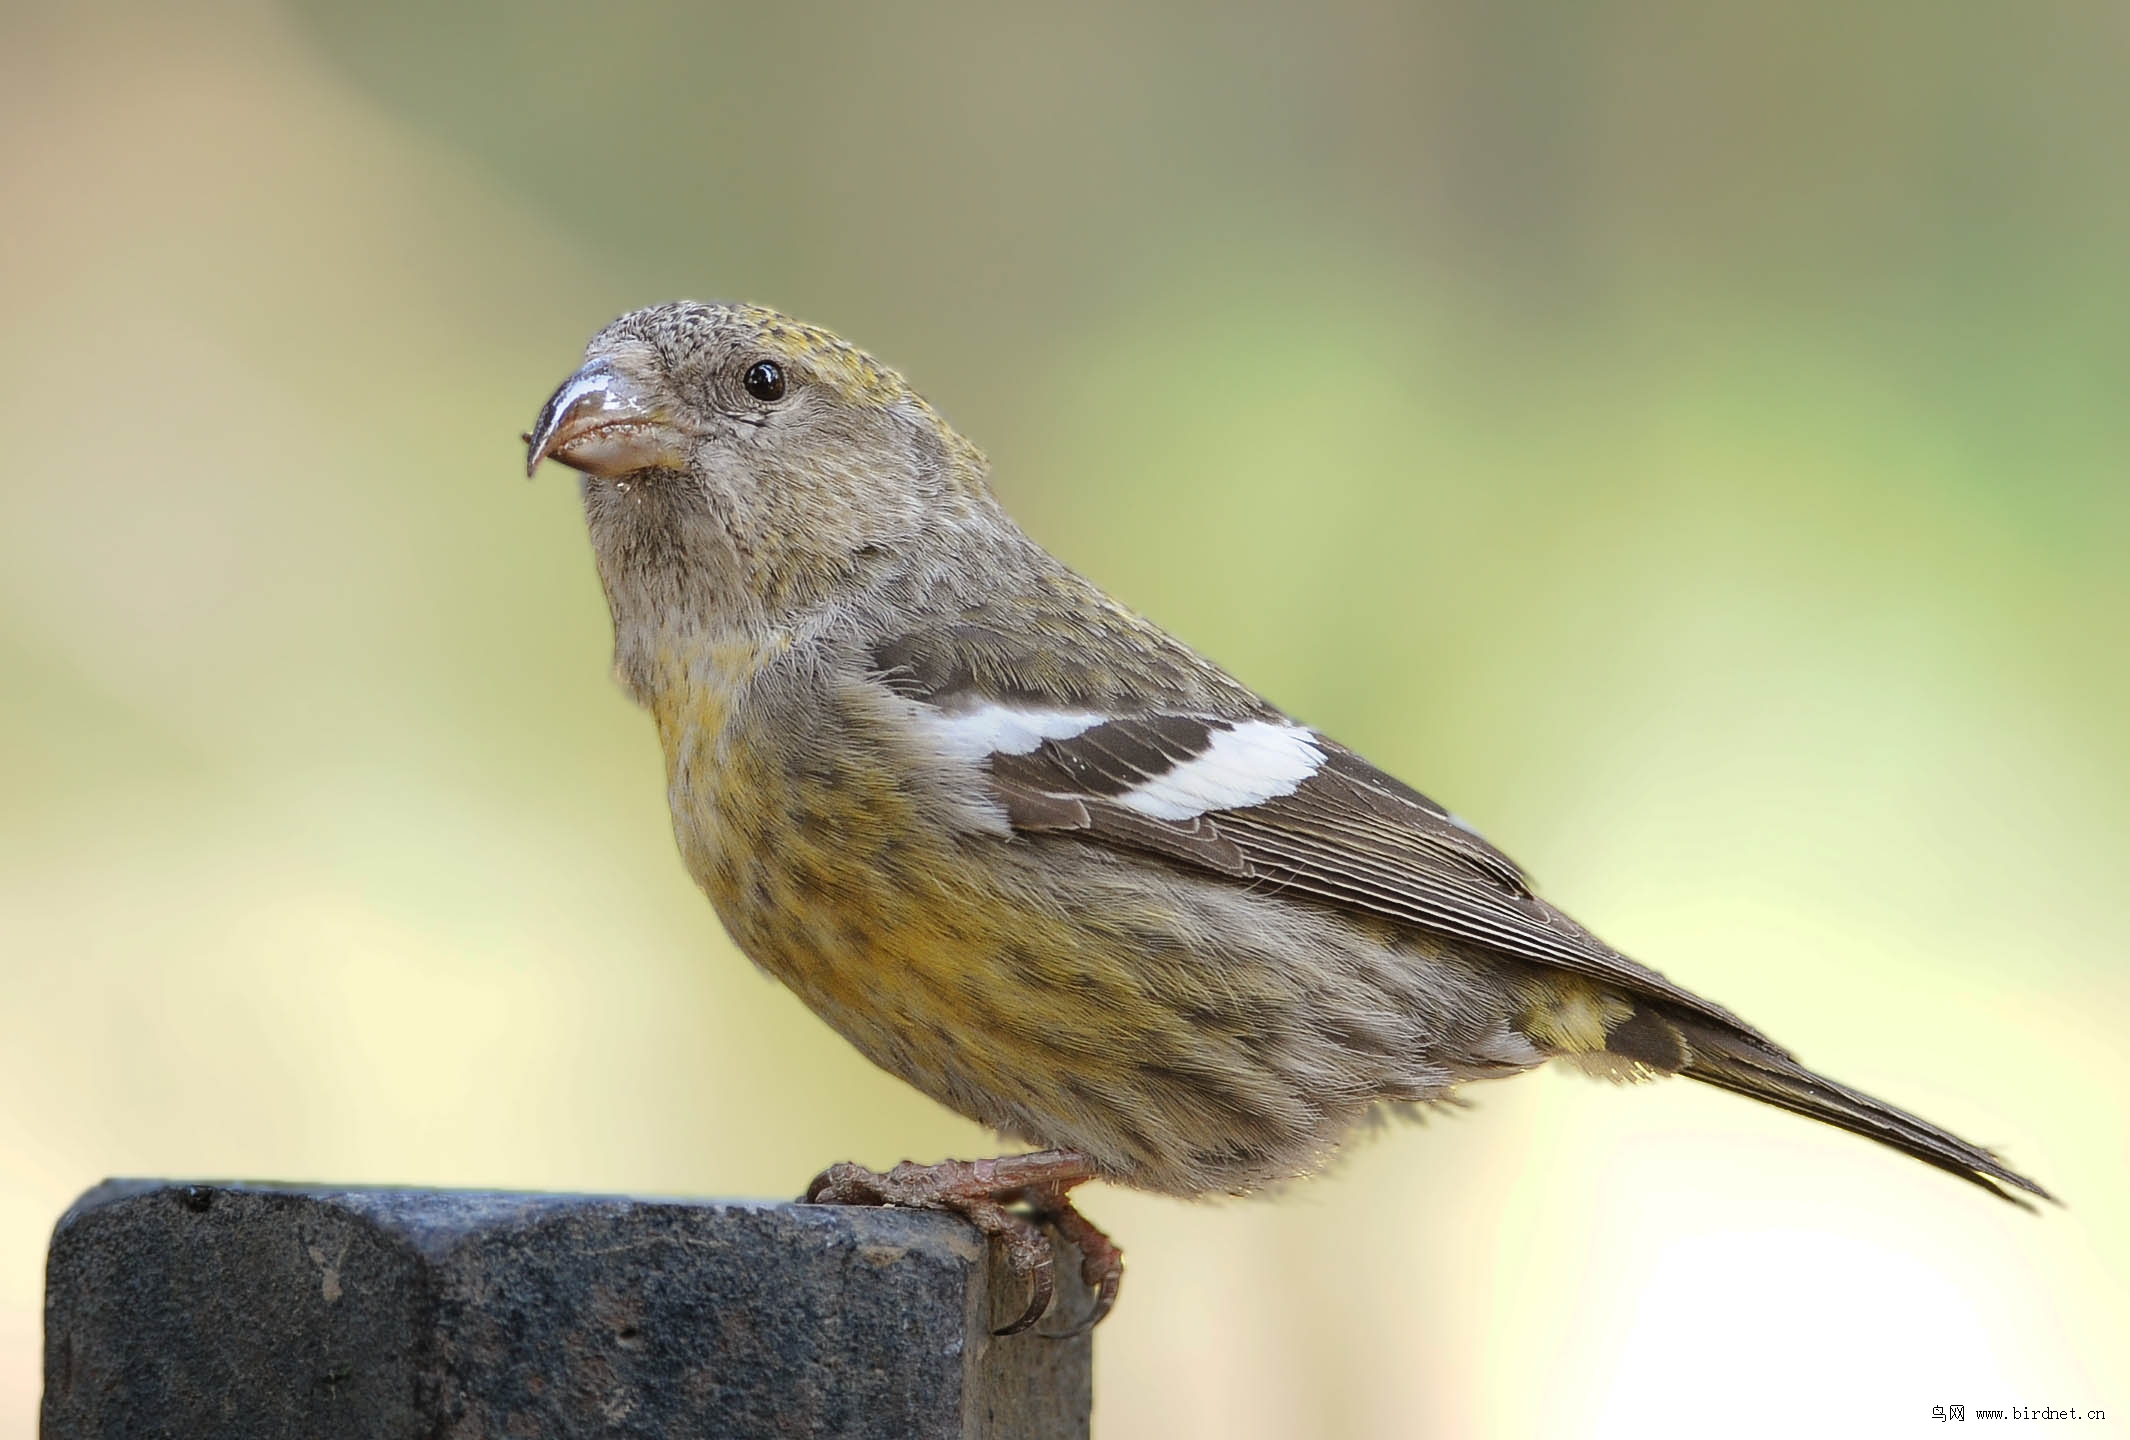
(1042, 1289)
(1028, 1254)
(1105, 1287)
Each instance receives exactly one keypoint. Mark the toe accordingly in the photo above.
(845, 1183)
(1101, 1262)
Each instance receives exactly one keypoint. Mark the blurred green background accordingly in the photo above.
(1689, 440)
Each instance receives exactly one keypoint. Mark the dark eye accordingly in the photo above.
(764, 380)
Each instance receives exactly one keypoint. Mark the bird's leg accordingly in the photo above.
(990, 1194)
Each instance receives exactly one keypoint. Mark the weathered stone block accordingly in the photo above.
(250, 1311)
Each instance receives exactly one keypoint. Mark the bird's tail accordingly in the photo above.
(1659, 1037)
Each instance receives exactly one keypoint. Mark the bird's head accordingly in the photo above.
(732, 450)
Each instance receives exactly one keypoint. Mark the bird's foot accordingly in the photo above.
(1008, 1198)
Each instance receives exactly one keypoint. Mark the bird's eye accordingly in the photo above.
(764, 380)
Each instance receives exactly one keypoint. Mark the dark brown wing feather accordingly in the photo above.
(1348, 836)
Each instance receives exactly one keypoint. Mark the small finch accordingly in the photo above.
(1036, 856)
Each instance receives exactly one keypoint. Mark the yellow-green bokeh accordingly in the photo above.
(1691, 441)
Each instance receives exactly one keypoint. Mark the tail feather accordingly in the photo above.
(1745, 1065)
(1741, 1066)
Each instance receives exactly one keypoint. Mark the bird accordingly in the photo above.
(1037, 857)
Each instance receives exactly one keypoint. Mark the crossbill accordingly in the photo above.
(1034, 855)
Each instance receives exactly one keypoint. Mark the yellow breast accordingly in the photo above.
(834, 877)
